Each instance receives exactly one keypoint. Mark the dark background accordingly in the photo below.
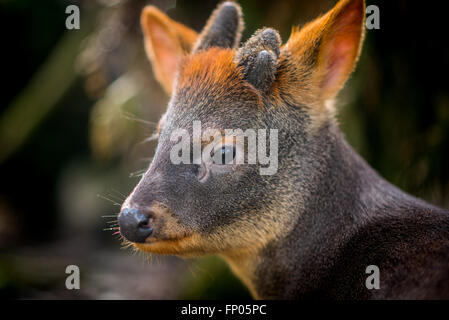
(76, 108)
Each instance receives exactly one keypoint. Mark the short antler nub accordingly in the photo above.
(259, 56)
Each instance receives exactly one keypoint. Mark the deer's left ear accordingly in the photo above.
(166, 42)
(223, 29)
(329, 46)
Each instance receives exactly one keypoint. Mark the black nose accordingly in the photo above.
(135, 224)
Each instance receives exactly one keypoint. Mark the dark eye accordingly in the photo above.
(227, 154)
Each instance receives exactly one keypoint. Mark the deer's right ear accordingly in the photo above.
(327, 49)
(166, 42)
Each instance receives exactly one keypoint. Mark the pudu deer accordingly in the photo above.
(311, 229)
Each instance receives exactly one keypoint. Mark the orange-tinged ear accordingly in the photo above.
(166, 42)
(329, 46)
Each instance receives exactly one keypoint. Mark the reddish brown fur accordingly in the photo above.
(214, 68)
(211, 66)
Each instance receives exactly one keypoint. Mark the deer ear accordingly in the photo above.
(330, 45)
(223, 29)
(166, 42)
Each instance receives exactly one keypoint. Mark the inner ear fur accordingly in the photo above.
(166, 43)
(326, 50)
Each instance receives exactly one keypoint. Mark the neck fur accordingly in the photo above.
(342, 198)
